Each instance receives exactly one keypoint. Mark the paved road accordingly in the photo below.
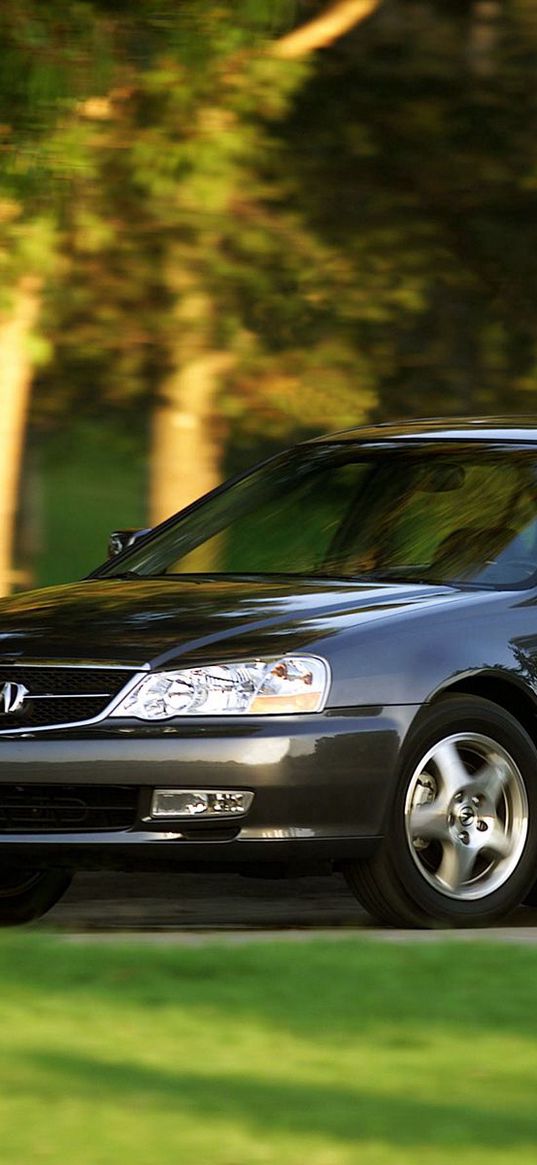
(180, 907)
(185, 901)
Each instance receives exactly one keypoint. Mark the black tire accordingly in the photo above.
(531, 897)
(28, 894)
(401, 885)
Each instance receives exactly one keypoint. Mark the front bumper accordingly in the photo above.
(322, 788)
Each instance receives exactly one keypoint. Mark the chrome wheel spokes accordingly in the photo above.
(428, 822)
(466, 816)
(451, 771)
(456, 866)
(490, 781)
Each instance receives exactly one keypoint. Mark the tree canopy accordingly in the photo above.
(343, 233)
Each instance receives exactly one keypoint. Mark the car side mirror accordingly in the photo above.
(119, 540)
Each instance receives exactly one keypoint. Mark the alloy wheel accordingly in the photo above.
(466, 816)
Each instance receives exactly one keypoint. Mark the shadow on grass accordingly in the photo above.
(268, 1107)
(333, 991)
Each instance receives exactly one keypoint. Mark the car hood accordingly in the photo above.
(156, 621)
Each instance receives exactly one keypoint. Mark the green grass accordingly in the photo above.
(295, 1054)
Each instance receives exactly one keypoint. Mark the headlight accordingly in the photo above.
(290, 684)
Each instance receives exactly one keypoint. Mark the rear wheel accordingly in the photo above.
(28, 894)
(460, 849)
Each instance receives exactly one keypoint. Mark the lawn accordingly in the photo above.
(315, 1053)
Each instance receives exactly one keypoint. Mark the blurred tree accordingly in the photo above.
(178, 219)
(265, 239)
(47, 58)
(16, 324)
(426, 133)
(226, 175)
(27, 111)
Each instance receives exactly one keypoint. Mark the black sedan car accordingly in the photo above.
(328, 663)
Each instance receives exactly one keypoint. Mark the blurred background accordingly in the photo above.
(227, 226)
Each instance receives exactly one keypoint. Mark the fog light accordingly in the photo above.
(199, 802)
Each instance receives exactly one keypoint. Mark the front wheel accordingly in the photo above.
(461, 846)
(28, 894)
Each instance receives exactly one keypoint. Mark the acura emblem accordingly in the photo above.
(12, 698)
(466, 815)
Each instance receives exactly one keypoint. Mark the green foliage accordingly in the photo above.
(146, 150)
(363, 222)
(80, 507)
(425, 136)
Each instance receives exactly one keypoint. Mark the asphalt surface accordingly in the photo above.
(191, 908)
(142, 902)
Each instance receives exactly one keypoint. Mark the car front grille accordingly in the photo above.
(57, 695)
(67, 808)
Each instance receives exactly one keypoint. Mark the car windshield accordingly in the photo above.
(453, 516)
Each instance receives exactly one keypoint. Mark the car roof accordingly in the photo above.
(519, 430)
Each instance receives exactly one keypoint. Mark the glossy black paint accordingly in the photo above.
(386, 643)
(319, 784)
(323, 784)
(163, 621)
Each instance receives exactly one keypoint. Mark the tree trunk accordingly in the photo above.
(324, 29)
(15, 386)
(483, 37)
(185, 458)
(185, 455)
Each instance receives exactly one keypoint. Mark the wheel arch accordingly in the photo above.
(507, 693)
